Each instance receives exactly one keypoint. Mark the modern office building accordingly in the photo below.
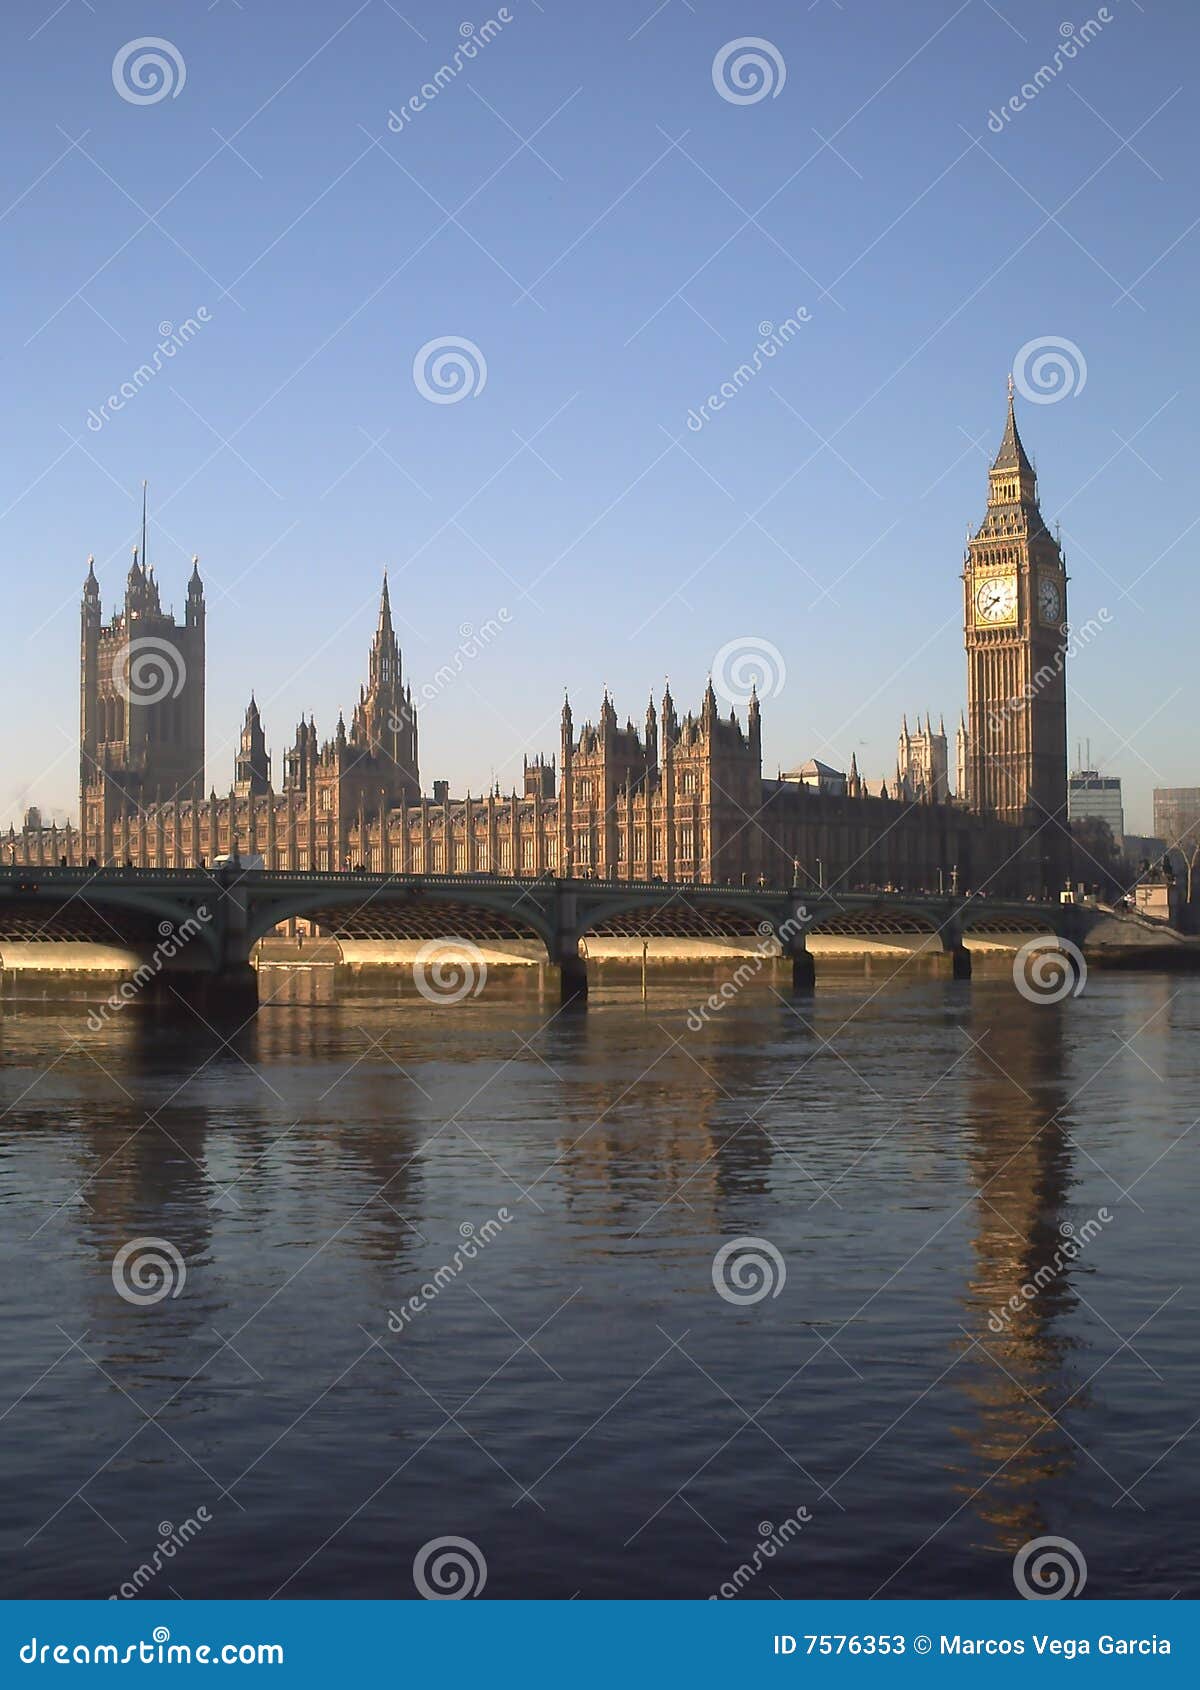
(1090, 793)
(1177, 816)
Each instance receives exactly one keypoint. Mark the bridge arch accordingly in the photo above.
(646, 914)
(981, 915)
(345, 910)
(878, 921)
(44, 912)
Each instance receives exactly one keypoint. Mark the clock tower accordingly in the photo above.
(1015, 623)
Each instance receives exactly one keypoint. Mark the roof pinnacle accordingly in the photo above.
(1012, 454)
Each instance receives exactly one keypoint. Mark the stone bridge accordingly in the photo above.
(196, 928)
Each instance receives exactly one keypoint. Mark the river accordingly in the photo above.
(448, 1271)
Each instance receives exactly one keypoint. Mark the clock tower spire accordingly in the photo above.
(1015, 608)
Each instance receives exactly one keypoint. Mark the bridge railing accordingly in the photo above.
(32, 876)
(22, 874)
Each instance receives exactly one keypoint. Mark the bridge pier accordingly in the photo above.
(793, 941)
(804, 972)
(219, 998)
(564, 952)
(573, 979)
(228, 994)
(957, 953)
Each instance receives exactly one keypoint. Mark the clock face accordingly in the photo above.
(1049, 599)
(996, 599)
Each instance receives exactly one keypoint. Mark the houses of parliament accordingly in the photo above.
(676, 798)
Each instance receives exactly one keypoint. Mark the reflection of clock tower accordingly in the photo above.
(1015, 625)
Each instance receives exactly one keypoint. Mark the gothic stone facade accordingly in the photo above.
(681, 799)
(1015, 624)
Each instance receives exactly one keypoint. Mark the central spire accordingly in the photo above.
(385, 653)
(1012, 480)
(1012, 454)
(383, 726)
(385, 608)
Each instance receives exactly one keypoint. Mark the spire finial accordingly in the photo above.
(385, 608)
(1012, 454)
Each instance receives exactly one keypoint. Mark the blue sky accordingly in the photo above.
(583, 205)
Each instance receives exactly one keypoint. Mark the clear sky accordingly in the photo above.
(581, 202)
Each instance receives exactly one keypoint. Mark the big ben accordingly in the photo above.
(1015, 610)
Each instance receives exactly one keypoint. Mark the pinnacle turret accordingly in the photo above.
(1012, 454)
(1012, 483)
(252, 771)
(383, 724)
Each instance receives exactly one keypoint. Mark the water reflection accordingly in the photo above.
(910, 1152)
(1015, 1375)
(671, 1139)
(174, 1131)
